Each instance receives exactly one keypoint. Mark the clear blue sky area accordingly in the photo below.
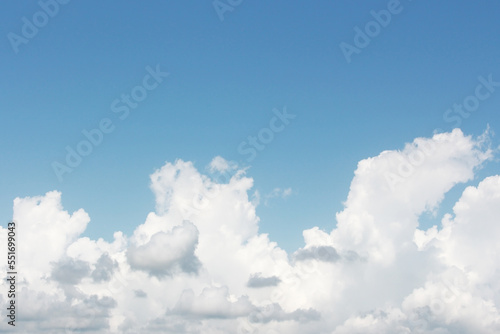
(359, 77)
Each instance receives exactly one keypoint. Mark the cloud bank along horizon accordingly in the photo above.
(198, 263)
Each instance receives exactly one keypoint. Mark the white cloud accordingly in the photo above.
(221, 165)
(198, 264)
(213, 302)
(167, 253)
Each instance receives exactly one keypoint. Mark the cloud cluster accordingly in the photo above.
(198, 264)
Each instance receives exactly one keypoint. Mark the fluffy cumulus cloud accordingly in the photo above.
(167, 253)
(198, 264)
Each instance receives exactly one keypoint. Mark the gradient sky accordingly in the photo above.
(226, 77)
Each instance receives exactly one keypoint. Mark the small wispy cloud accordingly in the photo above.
(277, 193)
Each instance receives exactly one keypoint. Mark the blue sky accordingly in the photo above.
(226, 77)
